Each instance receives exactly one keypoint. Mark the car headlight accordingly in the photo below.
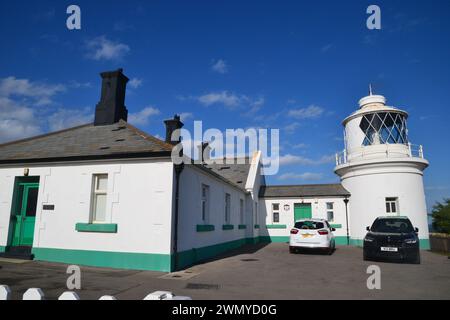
(411, 241)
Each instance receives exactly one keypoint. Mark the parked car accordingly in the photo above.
(312, 234)
(392, 238)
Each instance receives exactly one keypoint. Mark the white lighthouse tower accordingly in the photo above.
(381, 169)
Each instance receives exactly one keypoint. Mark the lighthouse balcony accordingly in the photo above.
(381, 151)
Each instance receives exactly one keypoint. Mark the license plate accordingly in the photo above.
(307, 235)
(389, 249)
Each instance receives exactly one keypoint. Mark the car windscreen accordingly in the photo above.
(392, 226)
(309, 225)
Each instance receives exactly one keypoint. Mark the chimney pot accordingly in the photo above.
(171, 126)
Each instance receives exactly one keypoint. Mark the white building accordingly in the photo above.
(381, 169)
(107, 194)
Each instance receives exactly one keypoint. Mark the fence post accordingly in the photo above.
(33, 294)
(5, 292)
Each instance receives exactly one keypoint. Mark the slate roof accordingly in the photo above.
(302, 191)
(236, 173)
(85, 142)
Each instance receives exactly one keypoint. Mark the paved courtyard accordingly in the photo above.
(251, 272)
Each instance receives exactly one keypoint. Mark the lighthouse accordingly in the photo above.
(381, 168)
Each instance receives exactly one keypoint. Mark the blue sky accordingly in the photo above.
(300, 66)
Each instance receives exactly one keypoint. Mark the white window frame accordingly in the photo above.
(95, 193)
(275, 211)
(330, 211)
(227, 208)
(388, 205)
(204, 203)
(241, 211)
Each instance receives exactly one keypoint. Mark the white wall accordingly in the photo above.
(190, 214)
(370, 185)
(318, 206)
(139, 201)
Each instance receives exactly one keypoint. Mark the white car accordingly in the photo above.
(312, 234)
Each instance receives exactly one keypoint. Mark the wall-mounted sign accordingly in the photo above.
(48, 207)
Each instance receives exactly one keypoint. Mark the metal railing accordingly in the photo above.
(412, 151)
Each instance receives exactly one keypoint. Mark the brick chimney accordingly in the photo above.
(111, 107)
(171, 126)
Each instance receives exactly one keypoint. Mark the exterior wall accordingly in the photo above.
(210, 239)
(279, 232)
(369, 185)
(139, 201)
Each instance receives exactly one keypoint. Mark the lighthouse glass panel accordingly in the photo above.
(384, 127)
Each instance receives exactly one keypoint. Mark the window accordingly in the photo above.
(241, 211)
(275, 212)
(309, 225)
(330, 211)
(205, 203)
(392, 205)
(227, 208)
(100, 183)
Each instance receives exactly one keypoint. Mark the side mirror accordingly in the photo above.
(333, 229)
(368, 228)
(416, 230)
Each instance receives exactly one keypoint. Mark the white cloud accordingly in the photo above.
(306, 113)
(290, 159)
(66, 118)
(135, 83)
(142, 117)
(184, 116)
(40, 93)
(101, 48)
(220, 66)
(290, 128)
(300, 146)
(16, 120)
(307, 176)
(225, 98)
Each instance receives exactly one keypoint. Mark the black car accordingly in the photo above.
(392, 238)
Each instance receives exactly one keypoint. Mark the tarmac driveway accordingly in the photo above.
(251, 272)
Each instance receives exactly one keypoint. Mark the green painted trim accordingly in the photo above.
(336, 226)
(274, 238)
(256, 226)
(2, 249)
(227, 227)
(242, 226)
(96, 227)
(340, 240)
(205, 227)
(276, 226)
(424, 244)
(106, 259)
(192, 256)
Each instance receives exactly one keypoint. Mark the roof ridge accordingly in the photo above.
(43, 135)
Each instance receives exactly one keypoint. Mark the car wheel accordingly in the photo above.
(292, 250)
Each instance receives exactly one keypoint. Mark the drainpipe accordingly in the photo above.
(178, 169)
(346, 219)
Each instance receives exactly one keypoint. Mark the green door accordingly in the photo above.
(302, 211)
(25, 215)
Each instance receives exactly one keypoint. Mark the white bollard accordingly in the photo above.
(107, 298)
(5, 292)
(159, 295)
(69, 295)
(33, 294)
